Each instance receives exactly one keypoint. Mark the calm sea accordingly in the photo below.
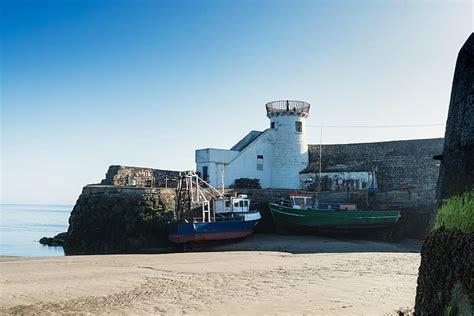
(22, 226)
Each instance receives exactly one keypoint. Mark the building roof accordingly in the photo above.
(244, 142)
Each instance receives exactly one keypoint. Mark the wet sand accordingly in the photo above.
(265, 274)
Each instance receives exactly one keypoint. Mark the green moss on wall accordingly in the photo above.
(457, 213)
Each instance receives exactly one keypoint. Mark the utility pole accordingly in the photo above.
(320, 156)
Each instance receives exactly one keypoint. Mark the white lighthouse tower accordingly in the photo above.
(290, 150)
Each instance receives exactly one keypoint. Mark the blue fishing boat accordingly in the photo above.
(225, 226)
(222, 217)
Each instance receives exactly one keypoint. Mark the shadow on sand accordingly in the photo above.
(306, 244)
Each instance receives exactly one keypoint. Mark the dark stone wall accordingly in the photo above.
(457, 165)
(409, 161)
(144, 177)
(109, 219)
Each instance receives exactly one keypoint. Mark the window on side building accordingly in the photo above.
(205, 173)
(259, 162)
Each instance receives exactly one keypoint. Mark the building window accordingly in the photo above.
(299, 127)
(205, 173)
(259, 162)
(272, 125)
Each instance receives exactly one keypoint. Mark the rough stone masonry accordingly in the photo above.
(446, 274)
(457, 163)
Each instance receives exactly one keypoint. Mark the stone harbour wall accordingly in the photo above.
(109, 219)
(407, 161)
(122, 176)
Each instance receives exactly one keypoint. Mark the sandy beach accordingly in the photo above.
(265, 274)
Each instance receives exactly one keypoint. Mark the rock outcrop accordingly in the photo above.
(55, 241)
(456, 173)
(446, 275)
(110, 219)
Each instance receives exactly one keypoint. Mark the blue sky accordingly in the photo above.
(87, 84)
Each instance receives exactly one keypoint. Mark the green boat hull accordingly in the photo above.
(331, 220)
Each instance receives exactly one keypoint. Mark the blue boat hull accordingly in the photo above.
(220, 230)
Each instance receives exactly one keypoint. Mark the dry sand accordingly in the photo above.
(282, 275)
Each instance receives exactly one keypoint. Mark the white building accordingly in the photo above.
(274, 156)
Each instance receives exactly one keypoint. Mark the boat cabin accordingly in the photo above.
(239, 204)
(301, 201)
(305, 201)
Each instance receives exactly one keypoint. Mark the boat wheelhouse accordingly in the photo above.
(239, 204)
(305, 201)
(302, 201)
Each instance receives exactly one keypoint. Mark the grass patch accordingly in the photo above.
(457, 213)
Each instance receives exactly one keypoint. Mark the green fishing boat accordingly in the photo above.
(303, 214)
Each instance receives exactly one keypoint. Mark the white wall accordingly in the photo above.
(215, 155)
(245, 164)
(214, 159)
(290, 151)
(238, 164)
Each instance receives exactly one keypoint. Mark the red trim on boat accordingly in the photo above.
(208, 236)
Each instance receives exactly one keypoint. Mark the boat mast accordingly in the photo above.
(320, 155)
(222, 175)
(190, 192)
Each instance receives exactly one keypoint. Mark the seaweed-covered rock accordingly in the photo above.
(55, 241)
(117, 220)
(446, 274)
